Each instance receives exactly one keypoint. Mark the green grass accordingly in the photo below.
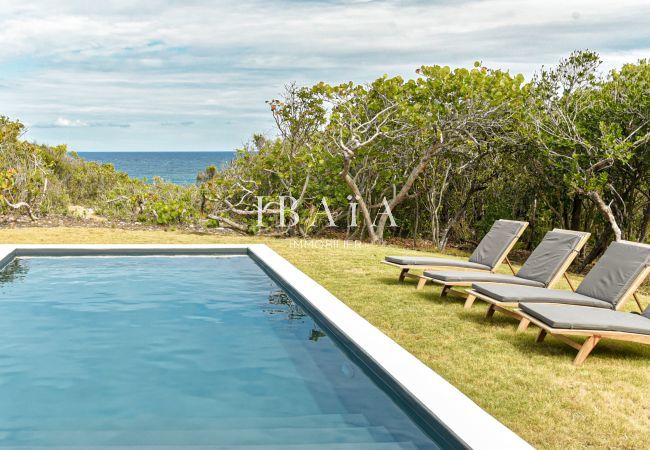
(533, 389)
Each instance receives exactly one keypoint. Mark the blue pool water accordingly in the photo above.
(175, 167)
(177, 352)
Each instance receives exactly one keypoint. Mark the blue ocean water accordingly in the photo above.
(177, 352)
(175, 167)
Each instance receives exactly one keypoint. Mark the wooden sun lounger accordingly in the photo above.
(593, 336)
(448, 286)
(422, 280)
(511, 308)
(406, 268)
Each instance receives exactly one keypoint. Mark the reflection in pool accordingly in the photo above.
(178, 351)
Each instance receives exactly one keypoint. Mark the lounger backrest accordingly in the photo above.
(646, 313)
(496, 243)
(551, 255)
(616, 271)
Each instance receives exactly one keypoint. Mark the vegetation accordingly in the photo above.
(446, 153)
(453, 150)
(532, 388)
(36, 180)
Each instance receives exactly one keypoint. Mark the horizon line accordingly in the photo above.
(152, 151)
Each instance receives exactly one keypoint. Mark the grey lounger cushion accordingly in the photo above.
(603, 287)
(477, 277)
(550, 255)
(584, 318)
(494, 244)
(615, 271)
(540, 268)
(430, 261)
(487, 254)
(527, 294)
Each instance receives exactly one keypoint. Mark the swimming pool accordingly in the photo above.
(198, 347)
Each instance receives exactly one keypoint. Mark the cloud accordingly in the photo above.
(62, 122)
(156, 63)
(185, 123)
(108, 125)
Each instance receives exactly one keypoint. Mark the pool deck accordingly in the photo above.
(420, 386)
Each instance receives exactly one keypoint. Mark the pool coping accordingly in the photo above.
(435, 395)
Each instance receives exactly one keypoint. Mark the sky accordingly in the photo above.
(194, 75)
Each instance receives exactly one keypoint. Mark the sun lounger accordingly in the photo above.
(562, 321)
(543, 268)
(488, 255)
(608, 285)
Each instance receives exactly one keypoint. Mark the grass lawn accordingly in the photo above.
(533, 389)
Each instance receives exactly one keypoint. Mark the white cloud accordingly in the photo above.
(63, 122)
(185, 123)
(215, 62)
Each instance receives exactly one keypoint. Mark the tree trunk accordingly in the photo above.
(643, 229)
(563, 210)
(460, 213)
(22, 205)
(374, 238)
(406, 187)
(607, 212)
(532, 226)
(444, 235)
(597, 250)
(417, 223)
(231, 223)
(576, 211)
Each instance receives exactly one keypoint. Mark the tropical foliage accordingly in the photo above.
(451, 151)
(445, 153)
(36, 180)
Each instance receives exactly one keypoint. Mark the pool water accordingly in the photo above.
(177, 352)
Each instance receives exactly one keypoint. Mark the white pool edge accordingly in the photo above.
(464, 418)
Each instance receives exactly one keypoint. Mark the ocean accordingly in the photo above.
(175, 167)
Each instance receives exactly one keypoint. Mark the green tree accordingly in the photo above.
(587, 125)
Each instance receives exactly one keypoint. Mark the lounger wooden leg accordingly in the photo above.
(490, 312)
(512, 269)
(523, 325)
(402, 274)
(586, 349)
(638, 302)
(568, 280)
(469, 301)
(541, 336)
(443, 293)
(421, 282)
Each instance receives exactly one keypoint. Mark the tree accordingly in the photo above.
(399, 127)
(588, 125)
(359, 117)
